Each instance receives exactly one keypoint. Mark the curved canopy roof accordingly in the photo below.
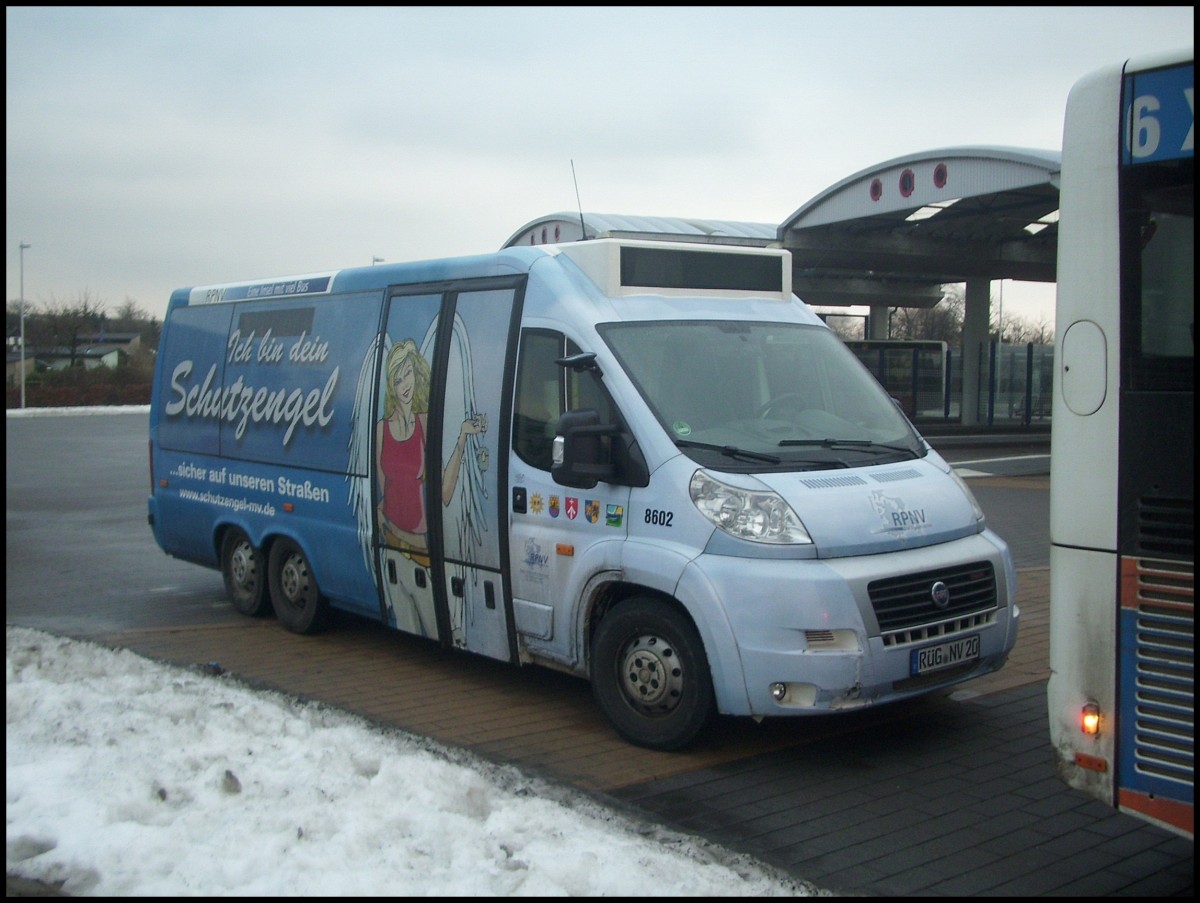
(927, 219)
(892, 234)
(567, 226)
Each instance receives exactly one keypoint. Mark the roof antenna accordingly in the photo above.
(582, 227)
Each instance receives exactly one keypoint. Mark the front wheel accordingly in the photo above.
(245, 574)
(650, 675)
(294, 593)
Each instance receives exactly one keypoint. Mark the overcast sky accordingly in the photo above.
(154, 148)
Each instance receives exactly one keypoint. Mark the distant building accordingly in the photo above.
(87, 356)
(12, 365)
(128, 341)
(97, 349)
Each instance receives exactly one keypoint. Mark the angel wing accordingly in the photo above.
(465, 520)
(359, 468)
(463, 517)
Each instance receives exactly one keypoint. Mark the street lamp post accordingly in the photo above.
(23, 249)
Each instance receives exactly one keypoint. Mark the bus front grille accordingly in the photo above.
(911, 601)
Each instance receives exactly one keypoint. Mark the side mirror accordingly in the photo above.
(582, 454)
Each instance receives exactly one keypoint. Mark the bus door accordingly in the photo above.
(560, 534)
(440, 440)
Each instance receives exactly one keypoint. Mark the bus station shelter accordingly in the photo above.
(888, 236)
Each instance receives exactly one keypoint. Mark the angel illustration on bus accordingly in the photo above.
(400, 451)
(395, 526)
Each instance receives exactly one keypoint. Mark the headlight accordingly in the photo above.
(962, 484)
(757, 516)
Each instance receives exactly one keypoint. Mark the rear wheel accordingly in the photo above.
(650, 675)
(245, 571)
(294, 593)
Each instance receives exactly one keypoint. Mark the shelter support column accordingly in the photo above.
(975, 335)
(878, 322)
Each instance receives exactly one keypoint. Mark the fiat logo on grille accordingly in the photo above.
(940, 594)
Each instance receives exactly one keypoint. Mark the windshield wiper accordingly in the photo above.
(864, 444)
(730, 451)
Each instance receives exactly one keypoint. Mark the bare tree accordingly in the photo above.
(845, 327)
(130, 312)
(1022, 331)
(63, 324)
(943, 322)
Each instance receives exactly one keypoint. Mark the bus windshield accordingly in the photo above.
(762, 395)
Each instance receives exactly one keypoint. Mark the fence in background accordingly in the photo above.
(1015, 381)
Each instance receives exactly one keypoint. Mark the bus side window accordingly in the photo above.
(546, 389)
(539, 397)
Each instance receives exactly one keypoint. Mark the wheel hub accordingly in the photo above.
(293, 578)
(650, 673)
(241, 565)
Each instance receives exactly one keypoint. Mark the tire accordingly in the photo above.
(650, 675)
(295, 596)
(245, 571)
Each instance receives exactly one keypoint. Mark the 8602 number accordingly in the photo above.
(658, 517)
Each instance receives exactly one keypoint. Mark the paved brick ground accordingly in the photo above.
(528, 716)
(952, 795)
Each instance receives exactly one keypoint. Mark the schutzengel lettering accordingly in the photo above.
(244, 404)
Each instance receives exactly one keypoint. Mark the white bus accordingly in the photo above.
(1122, 481)
(646, 464)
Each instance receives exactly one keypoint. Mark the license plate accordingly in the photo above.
(944, 655)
